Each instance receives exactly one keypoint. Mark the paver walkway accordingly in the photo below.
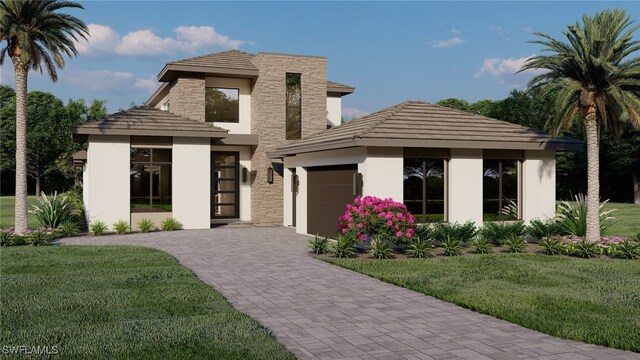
(320, 311)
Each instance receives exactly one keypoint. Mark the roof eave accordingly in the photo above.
(80, 132)
(169, 71)
(158, 95)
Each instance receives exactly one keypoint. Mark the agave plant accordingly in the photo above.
(572, 216)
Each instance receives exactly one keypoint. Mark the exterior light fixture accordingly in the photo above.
(244, 174)
(270, 175)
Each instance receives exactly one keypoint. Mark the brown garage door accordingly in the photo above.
(329, 190)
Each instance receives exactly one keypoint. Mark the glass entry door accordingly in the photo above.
(225, 185)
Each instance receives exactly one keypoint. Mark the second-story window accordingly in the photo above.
(222, 105)
(294, 106)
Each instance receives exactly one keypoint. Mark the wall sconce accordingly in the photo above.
(270, 175)
(245, 175)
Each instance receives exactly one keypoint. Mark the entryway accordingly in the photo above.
(225, 186)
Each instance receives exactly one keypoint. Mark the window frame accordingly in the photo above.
(424, 188)
(288, 108)
(221, 88)
(519, 187)
(151, 163)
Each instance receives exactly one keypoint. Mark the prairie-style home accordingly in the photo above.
(239, 137)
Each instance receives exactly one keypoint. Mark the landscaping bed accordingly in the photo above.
(595, 301)
(120, 302)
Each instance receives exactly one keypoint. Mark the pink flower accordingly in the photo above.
(350, 225)
(363, 237)
(344, 231)
(389, 223)
(360, 226)
(399, 234)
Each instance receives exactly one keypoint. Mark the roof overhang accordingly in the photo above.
(558, 144)
(171, 71)
(80, 134)
(158, 95)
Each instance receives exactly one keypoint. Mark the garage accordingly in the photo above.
(330, 188)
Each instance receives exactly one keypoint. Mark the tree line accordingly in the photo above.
(619, 157)
(50, 144)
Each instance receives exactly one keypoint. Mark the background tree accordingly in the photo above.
(594, 79)
(453, 103)
(36, 35)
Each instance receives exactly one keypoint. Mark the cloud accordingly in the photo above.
(505, 70)
(456, 31)
(189, 39)
(454, 41)
(149, 84)
(107, 80)
(351, 113)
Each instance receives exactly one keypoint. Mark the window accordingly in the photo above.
(294, 107)
(222, 105)
(500, 190)
(150, 180)
(424, 188)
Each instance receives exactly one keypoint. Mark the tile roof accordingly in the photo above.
(422, 124)
(231, 59)
(144, 120)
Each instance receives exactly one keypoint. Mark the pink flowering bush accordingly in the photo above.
(375, 217)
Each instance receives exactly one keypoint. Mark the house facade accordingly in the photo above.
(234, 136)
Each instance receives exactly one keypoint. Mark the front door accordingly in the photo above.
(225, 185)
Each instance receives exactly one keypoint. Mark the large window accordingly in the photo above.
(222, 105)
(150, 180)
(424, 188)
(500, 190)
(294, 106)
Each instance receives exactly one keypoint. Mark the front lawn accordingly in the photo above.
(594, 300)
(628, 216)
(120, 302)
(7, 210)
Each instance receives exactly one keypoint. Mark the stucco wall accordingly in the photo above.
(287, 198)
(245, 187)
(268, 122)
(244, 103)
(108, 173)
(186, 97)
(382, 173)
(538, 185)
(301, 201)
(334, 110)
(464, 183)
(191, 191)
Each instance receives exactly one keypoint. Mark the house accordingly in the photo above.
(234, 136)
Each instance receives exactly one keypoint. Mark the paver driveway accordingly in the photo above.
(321, 311)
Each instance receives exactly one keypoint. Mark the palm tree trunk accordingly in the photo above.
(593, 178)
(21, 72)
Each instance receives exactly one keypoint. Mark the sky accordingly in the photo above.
(390, 51)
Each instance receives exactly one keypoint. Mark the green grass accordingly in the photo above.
(595, 301)
(628, 216)
(7, 210)
(121, 302)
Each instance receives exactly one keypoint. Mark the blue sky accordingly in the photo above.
(390, 51)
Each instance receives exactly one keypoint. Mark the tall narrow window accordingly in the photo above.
(294, 106)
(500, 190)
(222, 105)
(424, 189)
(150, 174)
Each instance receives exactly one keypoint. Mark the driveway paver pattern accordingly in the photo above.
(321, 311)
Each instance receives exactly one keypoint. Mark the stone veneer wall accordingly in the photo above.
(268, 122)
(187, 98)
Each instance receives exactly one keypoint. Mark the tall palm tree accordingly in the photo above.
(594, 78)
(36, 35)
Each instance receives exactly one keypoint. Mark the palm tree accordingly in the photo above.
(594, 78)
(36, 35)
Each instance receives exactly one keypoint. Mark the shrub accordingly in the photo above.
(380, 249)
(319, 245)
(544, 229)
(6, 237)
(53, 211)
(146, 225)
(628, 249)
(98, 228)
(573, 216)
(69, 228)
(584, 249)
(424, 232)
(420, 248)
(497, 232)
(39, 238)
(344, 247)
(451, 246)
(462, 232)
(377, 218)
(510, 210)
(515, 244)
(121, 227)
(170, 224)
(481, 245)
(552, 245)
